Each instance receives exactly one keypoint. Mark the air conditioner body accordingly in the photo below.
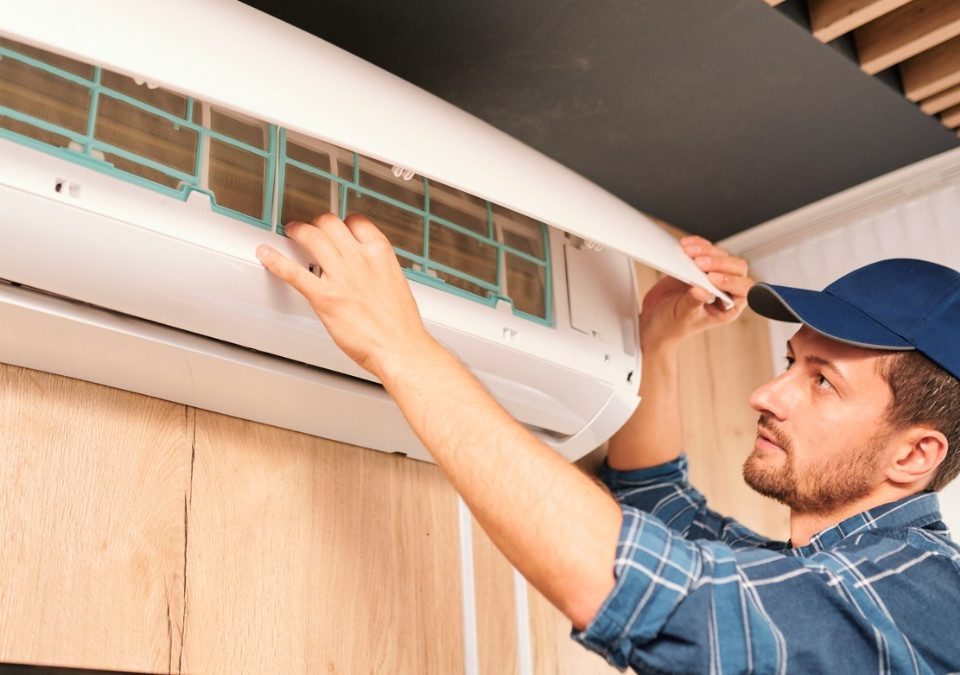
(134, 281)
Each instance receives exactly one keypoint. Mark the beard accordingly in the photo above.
(822, 488)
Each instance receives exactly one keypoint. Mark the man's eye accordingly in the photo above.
(823, 383)
(789, 360)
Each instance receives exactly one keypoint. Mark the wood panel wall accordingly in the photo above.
(138, 534)
(143, 535)
(92, 483)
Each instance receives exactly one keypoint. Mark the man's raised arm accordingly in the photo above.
(551, 521)
(671, 312)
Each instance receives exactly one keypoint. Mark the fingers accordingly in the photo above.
(691, 303)
(698, 296)
(711, 258)
(362, 229)
(330, 239)
(337, 231)
(728, 273)
(287, 270)
(695, 245)
(724, 264)
(317, 241)
(734, 285)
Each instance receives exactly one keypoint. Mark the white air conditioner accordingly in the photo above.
(147, 148)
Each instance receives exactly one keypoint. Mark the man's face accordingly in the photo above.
(822, 435)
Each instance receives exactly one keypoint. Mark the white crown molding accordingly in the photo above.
(860, 201)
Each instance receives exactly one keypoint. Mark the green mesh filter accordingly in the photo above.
(263, 175)
(142, 134)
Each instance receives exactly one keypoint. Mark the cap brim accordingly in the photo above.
(825, 313)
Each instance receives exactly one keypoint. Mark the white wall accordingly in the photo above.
(913, 213)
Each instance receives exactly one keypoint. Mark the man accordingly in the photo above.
(846, 437)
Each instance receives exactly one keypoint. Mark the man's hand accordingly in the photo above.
(361, 294)
(673, 311)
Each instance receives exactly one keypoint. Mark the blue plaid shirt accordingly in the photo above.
(699, 593)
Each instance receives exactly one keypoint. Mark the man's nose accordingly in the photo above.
(771, 397)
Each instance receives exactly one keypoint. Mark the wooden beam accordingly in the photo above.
(942, 101)
(832, 18)
(932, 71)
(905, 32)
(951, 117)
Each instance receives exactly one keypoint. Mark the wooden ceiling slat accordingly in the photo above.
(905, 32)
(942, 101)
(932, 71)
(832, 18)
(951, 117)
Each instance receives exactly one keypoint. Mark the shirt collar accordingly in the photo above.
(918, 510)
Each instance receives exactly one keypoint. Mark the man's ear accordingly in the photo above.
(919, 451)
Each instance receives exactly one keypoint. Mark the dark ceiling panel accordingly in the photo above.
(714, 115)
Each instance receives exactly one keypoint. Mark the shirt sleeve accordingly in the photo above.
(701, 606)
(665, 492)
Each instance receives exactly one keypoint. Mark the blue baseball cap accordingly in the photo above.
(897, 304)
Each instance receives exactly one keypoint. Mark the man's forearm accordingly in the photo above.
(653, 434)
(672, 312)
(551, 521)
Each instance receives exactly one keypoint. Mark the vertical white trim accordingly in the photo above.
(470, 654)
(521, 602)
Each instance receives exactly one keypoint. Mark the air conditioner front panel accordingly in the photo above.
(179, 264)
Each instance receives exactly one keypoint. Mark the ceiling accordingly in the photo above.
(713, 115)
